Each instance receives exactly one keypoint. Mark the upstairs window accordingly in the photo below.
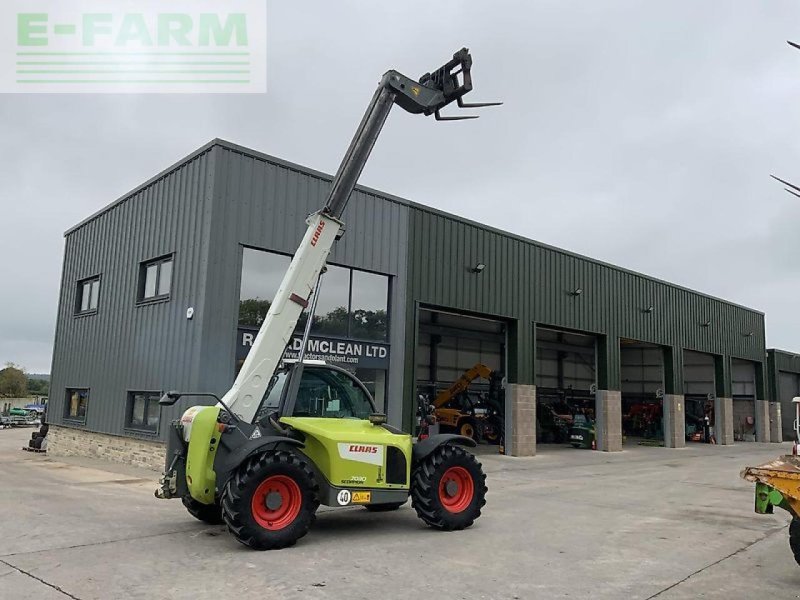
(88, 296)
(155, 279)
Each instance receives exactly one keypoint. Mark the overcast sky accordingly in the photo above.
(639, 133)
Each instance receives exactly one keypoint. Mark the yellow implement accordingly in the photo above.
(777, 484)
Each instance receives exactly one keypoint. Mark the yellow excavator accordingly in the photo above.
(456, 411)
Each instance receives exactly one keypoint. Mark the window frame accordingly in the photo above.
(158, 262)
(69, 418)
(144, 430)
(79, 296)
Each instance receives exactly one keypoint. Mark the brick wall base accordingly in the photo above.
(723, 421)
(775, 423)
(521, 405)
(674, 421)
(608, 424)
(762, 420)
(67, 441)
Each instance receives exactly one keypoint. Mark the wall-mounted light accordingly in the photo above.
(706, 323)
(478, 268)
(748, 333)
(649, 309)
(576, 292)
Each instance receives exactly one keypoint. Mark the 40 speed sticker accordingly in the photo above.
(343, 497)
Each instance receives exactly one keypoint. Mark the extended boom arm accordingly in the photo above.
(427, 96)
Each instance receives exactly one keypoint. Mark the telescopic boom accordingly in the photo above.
(432, 92)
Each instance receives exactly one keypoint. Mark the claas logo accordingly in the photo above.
(363, 449)
(317, 233)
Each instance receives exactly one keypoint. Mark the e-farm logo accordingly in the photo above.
(113, 46)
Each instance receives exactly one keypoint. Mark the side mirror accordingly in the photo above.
(377, 418)
(169, 398)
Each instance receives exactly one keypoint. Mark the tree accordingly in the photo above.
(253, 311)
(13, 382)
(38, 387)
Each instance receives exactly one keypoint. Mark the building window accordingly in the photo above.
(351, 303)
(88, 296)
(262, 273)
(333, 305)
(143, 411)
(155, 279)
(368, 306)
(77, 401)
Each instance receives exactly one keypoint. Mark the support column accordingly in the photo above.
(674, 421)
(723, 420)
(520, 439)
(762, 420)
(608, 424)
(775, 423)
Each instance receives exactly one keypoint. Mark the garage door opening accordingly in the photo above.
(461, 366)
(743, 379)
(699, 384)
(642, 374)
(566, 379)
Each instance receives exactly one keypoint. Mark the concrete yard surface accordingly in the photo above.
(644, 523)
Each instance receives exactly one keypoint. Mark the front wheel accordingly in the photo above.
(448, 488)
(794, 538)
(271, 501)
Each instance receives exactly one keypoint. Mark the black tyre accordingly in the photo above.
(207, 513)
(383, 507)
(794, 538)
(493, 430)
(448, 488)
(271, 501)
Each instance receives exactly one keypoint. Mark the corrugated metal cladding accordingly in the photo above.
(262, 202)
(126, 346)
(784, 361)
(526, 282)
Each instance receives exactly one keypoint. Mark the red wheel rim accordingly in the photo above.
(283, 495)
(456, 489)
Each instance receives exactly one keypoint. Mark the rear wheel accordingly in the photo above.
(794, 538)
(448, 488)
(207, 513)
(270, 502)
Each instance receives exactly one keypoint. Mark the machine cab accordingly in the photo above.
(325, 391)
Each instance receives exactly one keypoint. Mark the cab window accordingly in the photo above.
(331, 394)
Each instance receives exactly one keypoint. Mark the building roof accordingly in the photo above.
(389, 197)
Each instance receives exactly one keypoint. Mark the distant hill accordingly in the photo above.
(39, 376)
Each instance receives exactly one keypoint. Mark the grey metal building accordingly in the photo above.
(164, 288)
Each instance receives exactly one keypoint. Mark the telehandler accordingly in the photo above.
(289, 436)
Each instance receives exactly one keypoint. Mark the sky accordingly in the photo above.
(639, 133)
